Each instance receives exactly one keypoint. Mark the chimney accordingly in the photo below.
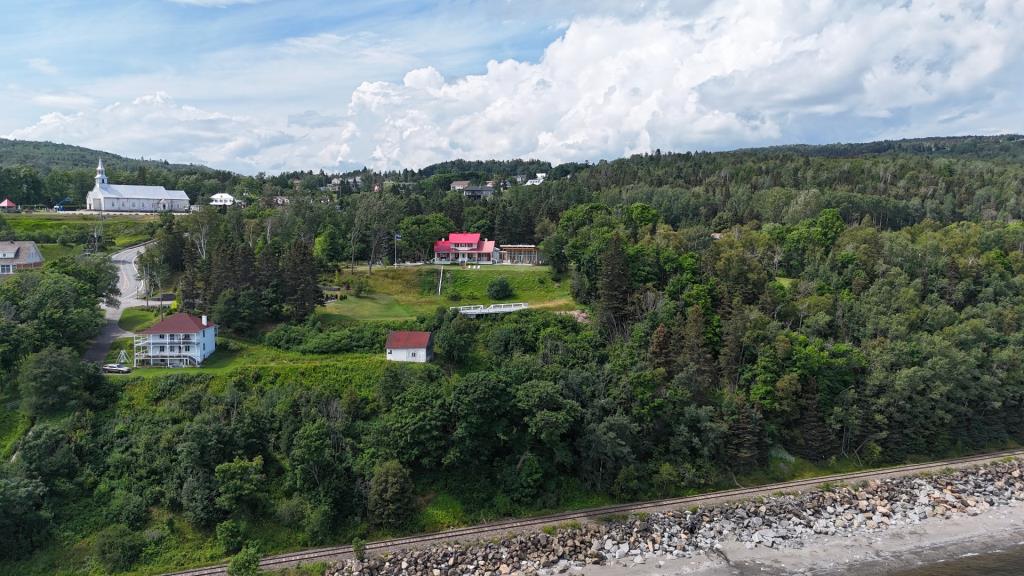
(204, 320)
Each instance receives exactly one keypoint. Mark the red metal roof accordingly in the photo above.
(464, 238)
(8, 204)
(485, 247)
(404, 339)
(180, 323)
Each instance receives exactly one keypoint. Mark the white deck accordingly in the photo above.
(478, 309)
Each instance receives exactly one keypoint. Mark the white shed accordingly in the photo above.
(408, 346)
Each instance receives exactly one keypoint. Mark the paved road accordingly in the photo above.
(130, 285)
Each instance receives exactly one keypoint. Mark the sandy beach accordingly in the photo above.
(897, 548)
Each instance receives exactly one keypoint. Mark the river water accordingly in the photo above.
(1009, 562)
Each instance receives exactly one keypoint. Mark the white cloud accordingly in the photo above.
(679, 76)
(740, 73)
(64, 101)
(43, 66)
(155, 126)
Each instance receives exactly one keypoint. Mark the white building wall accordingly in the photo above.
(100, 202)
(407, 355)
(207, 342)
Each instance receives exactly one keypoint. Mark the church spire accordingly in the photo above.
(101, 173)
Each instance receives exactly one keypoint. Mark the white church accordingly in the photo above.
(107, 197)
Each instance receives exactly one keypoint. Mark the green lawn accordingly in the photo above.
(233, 354)
(51, 227)
(404, 293)
(54, 251)
(135, 319)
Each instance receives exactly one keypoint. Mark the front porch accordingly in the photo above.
(170, 350)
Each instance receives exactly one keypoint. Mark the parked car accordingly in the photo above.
(116, 368)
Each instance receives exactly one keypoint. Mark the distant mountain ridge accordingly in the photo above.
(47, 156)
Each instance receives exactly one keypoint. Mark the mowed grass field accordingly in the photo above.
(233, 354)
(55, 251)
(51, 227)
(405, 293)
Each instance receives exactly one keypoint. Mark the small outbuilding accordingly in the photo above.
(409, 346)
(8, 206)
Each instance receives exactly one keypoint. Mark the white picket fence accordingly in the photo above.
(478, 309)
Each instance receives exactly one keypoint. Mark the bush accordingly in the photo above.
(318, 523)
(128, 509)
(667, 480)
(391, 495)
(24, 523)
(359, 285)
(118, 547)
(359, 549)
(229, 536)
(627, 484)
(246, 562)
(499, 288)
(55, 379)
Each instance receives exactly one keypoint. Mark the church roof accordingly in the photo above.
(144, 192)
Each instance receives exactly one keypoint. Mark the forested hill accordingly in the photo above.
(1008, 147)
(43, 173)
(47, 156)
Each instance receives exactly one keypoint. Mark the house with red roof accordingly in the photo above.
(177, 340)
(409, 346)
(465, 248)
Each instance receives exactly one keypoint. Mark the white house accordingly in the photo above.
(541, 177)
(107, 197)
(408, 346)
(222, 199)
(178, 340)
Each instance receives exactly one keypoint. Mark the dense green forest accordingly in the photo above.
(746, 314)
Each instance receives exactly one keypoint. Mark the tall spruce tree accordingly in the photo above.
(613, 290)
(302, 292)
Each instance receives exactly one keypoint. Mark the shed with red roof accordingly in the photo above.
(409, 346)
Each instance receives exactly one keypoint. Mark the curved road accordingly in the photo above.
(129, 284)
(509, 526)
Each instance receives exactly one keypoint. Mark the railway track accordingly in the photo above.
(336, 552)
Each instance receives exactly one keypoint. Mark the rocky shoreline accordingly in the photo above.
(777, 522)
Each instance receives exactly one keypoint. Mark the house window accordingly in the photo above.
(188, 348)
(412, 355)
(162, 348)
(5, 268)
(389, 352)
(163, 336)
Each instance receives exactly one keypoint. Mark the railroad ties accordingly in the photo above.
(479, 309)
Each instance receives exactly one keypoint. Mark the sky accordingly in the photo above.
(274, 85)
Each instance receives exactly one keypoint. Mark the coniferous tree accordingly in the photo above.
(303, 293)
(660, 350)
(613, 289)
(268, 279)
(695, 360)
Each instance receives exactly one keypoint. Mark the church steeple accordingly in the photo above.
(101, 174)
